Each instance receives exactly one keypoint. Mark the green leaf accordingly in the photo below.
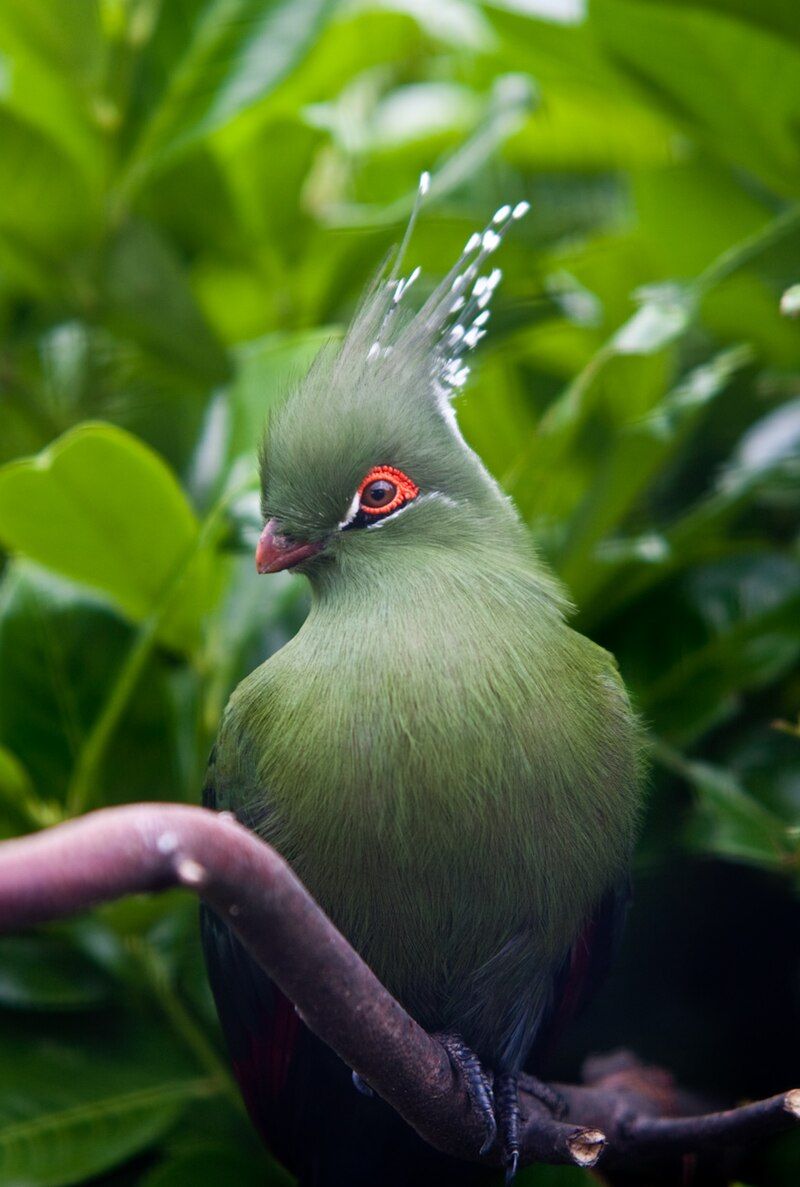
(553, 1176)
(599, 130)
(770, 443)
(38, 973)
(48, 55)
(727, 82)
(238, 51)
(764, 468)
(214, 1166)
(664, 314)
(728, 820)
(767, 763)
(45, 203)
(61, 649)
(741, 632)
(510, 99)
(101, 508)
(70, 1144)
(265, 371)
(638, 453)
(224, 1137)
(147, 298)
(779, 16)
(77, 1097)
(18, 804)
(15, 783)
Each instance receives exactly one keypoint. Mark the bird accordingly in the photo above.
(453, 772)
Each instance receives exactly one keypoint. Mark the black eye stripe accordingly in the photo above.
(364, 519)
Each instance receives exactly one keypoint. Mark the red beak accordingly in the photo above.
(275, 551)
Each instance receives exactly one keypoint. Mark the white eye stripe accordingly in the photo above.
(352, 512)
(426, 498)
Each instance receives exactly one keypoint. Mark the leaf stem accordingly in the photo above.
(92, 753)
(741, 253)
(94, 748)
(182, 1021)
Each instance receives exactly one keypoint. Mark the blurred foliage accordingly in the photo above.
(192, 196)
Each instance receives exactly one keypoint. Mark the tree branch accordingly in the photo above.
(624, 1112)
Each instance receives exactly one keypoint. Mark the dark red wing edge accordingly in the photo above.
(588, 964)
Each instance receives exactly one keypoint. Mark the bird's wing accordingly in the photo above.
(587, 964)
(298, 1092)
(260, 1025)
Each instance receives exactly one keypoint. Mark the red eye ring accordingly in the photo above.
(405, 489)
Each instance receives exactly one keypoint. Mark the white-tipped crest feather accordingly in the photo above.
(452, 320)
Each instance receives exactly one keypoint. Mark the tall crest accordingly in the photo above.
(453, 319)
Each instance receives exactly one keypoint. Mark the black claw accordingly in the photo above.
(479, 1088)
(491, 1136)
(507, 1108)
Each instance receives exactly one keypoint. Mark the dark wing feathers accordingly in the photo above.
(587, 965)
(260, 1025)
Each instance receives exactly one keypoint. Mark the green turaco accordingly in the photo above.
(451, 770)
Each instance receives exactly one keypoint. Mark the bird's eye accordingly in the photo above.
(384, 490)
(378, 494)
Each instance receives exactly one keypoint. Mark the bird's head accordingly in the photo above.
(365, 453)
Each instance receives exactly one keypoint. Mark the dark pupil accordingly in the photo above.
(379, 493)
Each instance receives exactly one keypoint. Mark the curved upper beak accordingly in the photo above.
(275, 551)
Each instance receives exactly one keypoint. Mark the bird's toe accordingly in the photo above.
(506, 1092)
(479, 1086)
(555, 1103)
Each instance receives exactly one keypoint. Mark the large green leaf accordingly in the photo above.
(101, 508)
(780, 16)
(147, 298)
(724, 628)
(47, 974)
(50, 55)
(214, 1165)
(44, 201)
(61, 650)
(77, 1097)
(237, 52)
(727, 82)
(730, 822)
(640, 450)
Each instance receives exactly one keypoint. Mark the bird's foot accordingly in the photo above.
(498, 1102)
(479, 1087)
(553, 1101)
(506, 1096)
